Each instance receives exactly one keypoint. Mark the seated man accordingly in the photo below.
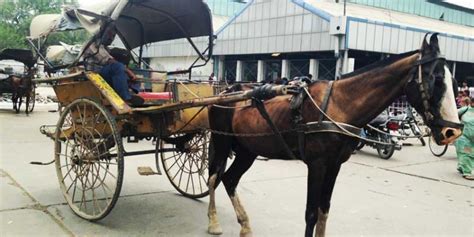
(98, 58)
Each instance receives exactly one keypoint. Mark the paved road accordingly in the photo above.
(414, 193)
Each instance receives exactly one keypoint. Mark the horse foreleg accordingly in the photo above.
(328, 186)
(243, 161)
(19, 103)
(323, 210)
(316, 171)
(321, 224)
(27, 103)
(14, 100)
(214, 226)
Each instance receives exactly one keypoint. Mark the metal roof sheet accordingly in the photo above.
(373, 14)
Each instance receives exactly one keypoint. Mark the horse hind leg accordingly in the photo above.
(243, 161)
(214, 227)
(219, 150)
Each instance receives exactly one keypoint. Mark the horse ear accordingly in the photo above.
(434, 42)
(425, 47)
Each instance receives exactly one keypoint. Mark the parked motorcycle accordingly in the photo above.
(408, 125)
(385, 125)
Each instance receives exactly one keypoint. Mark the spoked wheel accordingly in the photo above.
(436, 149)
(385, 151)
(417, 132)
(187, 166)
(89, 159)
(17, 104)
(30, 103)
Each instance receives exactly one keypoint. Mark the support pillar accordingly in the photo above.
(314, 68)
(454, 69)
(285, 68)
(350, 65)
(220, 68)
(239, 74)
(345, 62)
(261, 71)
(337, 72)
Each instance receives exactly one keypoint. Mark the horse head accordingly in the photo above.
(431, 92)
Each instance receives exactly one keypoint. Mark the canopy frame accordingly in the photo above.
(107, 19)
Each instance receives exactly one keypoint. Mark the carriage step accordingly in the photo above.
(146, 170)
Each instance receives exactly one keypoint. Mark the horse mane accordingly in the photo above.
(379, 64)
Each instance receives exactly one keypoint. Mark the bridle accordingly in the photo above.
(426, 88)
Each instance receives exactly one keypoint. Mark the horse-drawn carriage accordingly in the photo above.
(19, 84)
(89, 135)
(89, 151)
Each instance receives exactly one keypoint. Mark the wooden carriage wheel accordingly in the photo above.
(17, 104)
(187, 167)
(89, 158)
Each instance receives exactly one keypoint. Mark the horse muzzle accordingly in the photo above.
(449, 135)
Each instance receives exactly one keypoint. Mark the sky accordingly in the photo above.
(463, 3)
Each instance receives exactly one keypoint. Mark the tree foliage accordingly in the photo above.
(16, 16)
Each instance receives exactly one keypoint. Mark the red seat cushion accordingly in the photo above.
(156, 95)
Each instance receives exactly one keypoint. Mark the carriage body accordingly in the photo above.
(94, 124)
(94, 120)
(143, 123)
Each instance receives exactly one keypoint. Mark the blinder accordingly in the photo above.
(426, 89)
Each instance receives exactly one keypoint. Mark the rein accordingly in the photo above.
(343, 126)
(425, 92)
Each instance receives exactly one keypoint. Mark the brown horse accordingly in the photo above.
(422, 75)
(21, 88)
(18, 87)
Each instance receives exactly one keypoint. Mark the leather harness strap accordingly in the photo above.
(303, 129)
(426, 87)
(324, 105)
(328, 126)
(261, 108)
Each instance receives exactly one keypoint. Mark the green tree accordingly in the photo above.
(16, 16)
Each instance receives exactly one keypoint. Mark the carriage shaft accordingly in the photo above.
(137, 153)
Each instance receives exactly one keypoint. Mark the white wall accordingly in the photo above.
(181, 63)
(274, 26)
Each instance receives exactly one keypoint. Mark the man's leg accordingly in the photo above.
(115, 75)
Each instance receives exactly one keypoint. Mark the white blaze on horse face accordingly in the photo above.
(448, 108)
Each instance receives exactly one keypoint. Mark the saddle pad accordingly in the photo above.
(156, 95)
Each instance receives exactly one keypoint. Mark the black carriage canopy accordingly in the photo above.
(147, 21)
(24, 56)
(139, 22)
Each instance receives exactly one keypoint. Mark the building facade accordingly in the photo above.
(265, 39)
(176, 55)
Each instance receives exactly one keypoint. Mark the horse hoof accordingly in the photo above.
(246, 232)
(214, 229)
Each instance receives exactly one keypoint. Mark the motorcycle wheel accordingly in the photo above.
(417, 132)
(360, 145)
(436, 149)
(385, 151)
